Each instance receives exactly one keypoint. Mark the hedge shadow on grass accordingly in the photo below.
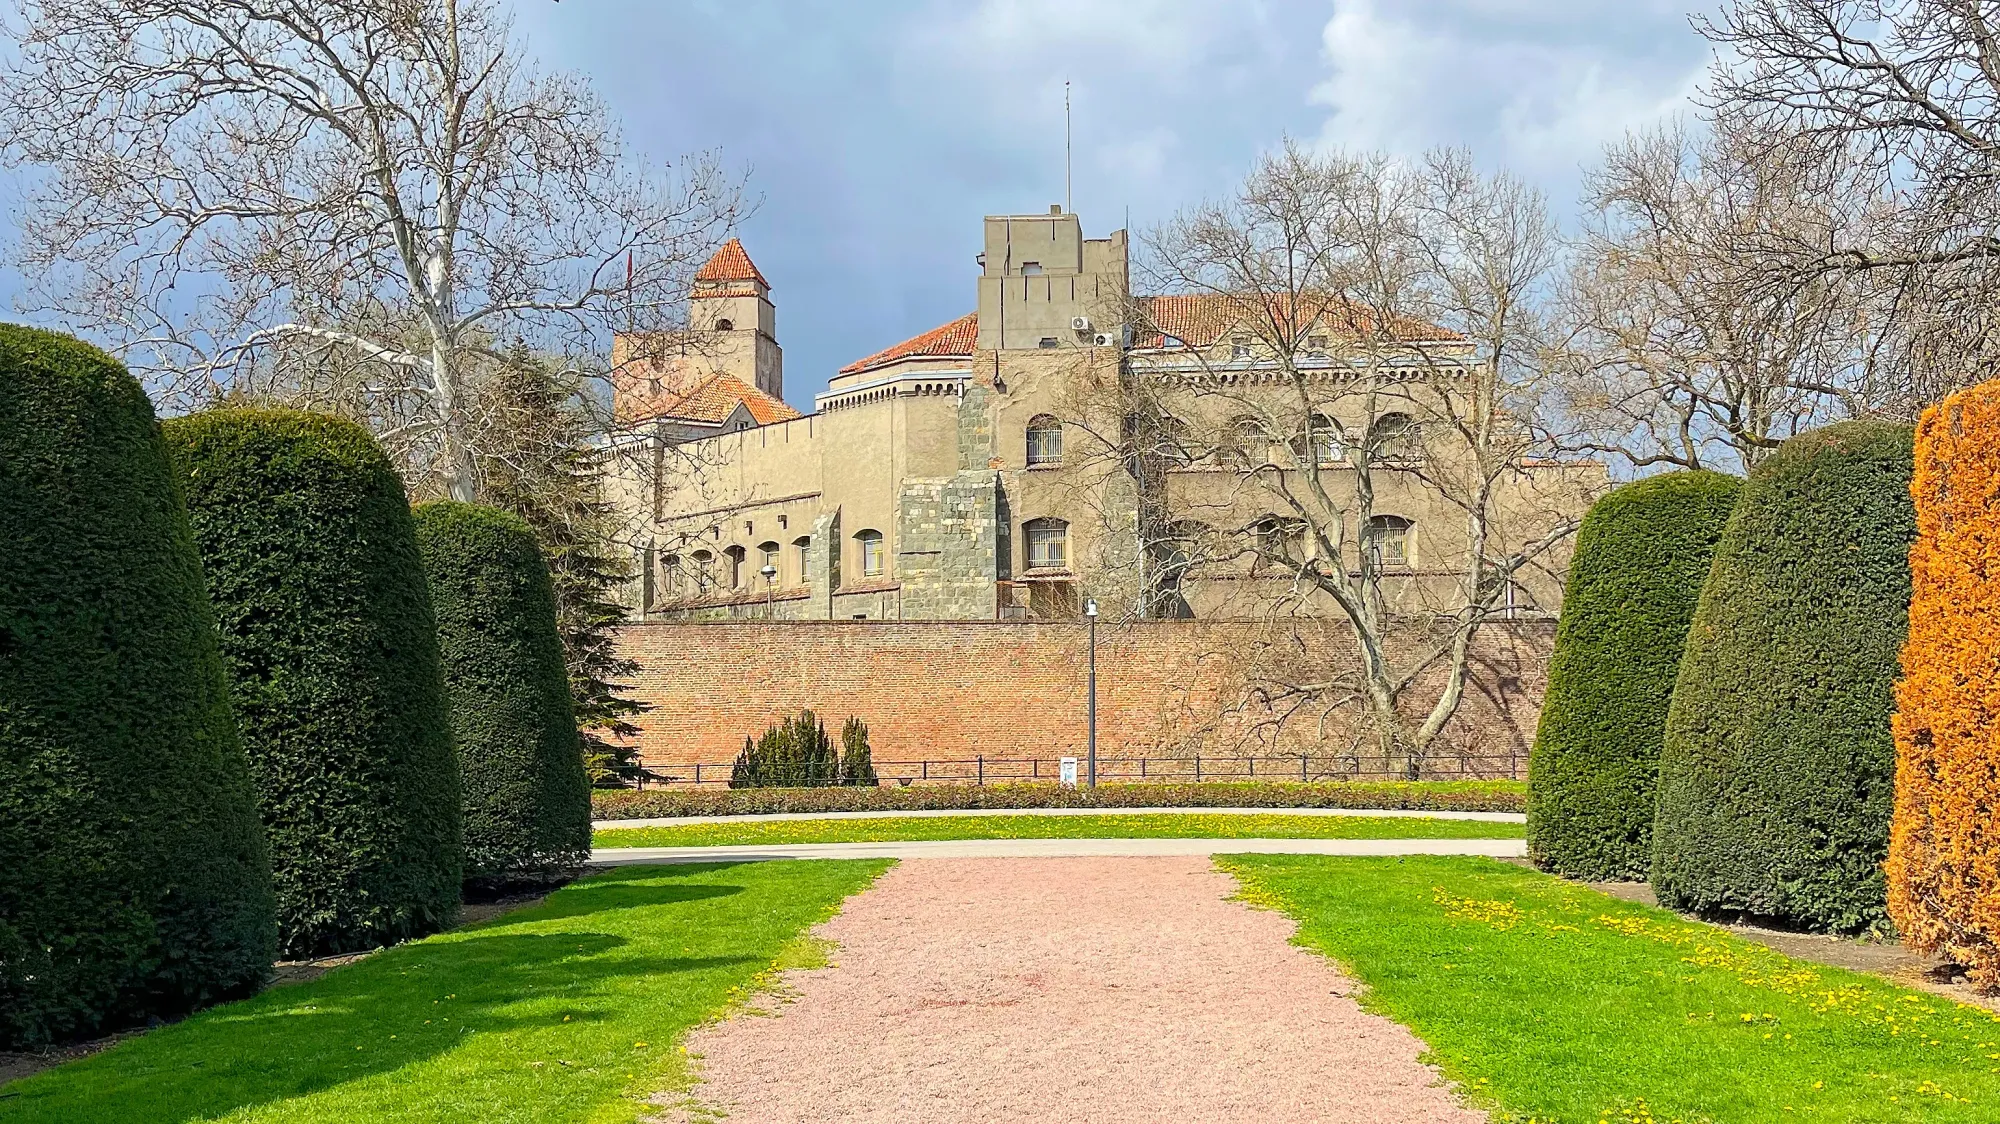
(297, 1040)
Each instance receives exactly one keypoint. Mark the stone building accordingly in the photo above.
(986, 469)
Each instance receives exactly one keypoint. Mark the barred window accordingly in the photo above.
(1048, 544)
(1045, 440)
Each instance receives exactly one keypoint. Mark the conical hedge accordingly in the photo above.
(1641, 556)
(332, 653)
(133, 879)
(1776, 774)
(526, 797)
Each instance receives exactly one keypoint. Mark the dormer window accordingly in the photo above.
(1316, 346)
(725, 325)
(1239, 347)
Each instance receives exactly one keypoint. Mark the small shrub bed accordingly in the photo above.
(133, 877)
(1777, 769)
(331, 645)
(1641, 556)
(1944, 852)
(526, 797)
(1432, 796)
(797, 753)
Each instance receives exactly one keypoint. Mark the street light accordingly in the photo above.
(770, 573)
(1090, 614)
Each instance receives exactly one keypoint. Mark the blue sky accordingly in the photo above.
(876, 133)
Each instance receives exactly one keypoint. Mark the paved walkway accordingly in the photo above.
(1058, 848)
(774, 817)
(1112, 991)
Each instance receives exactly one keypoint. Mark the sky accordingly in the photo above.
(876, 133)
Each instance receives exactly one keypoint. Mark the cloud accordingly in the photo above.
(1540, 87)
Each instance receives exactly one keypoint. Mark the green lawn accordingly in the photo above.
(1557, 1003)
(1175, 825)
(570, 1011)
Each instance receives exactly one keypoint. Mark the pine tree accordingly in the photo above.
(541, 463)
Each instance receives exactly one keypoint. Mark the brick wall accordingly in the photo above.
(960, 689)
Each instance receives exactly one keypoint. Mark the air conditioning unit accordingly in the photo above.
(1079, 323)
(1104, 339)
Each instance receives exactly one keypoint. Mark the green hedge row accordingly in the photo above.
(526, 797)
(1778, 765)
(1641, 556)
(328, 634)
(1437, 796)
(133, 876)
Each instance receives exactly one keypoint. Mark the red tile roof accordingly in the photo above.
(1199, 319)
(945, 341)
(1196, 319)
(711, 401)
(731, 263)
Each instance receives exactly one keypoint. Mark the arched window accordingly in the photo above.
(1278, 539)
(801, 547)
(1388, 539)
(732, 567)
(1175, 444)
(1247, 444)
(768, 562)
(1048, 544)
(704, 571)
(1326, 444)
(725, 325)
(1045, 440)
(1395, 437)
(873, 562)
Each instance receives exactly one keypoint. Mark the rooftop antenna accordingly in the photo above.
(1067, 209)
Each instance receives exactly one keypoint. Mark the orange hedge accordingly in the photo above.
(1944, 849)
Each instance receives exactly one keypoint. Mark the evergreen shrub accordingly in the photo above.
(526, 797)
(857, 764)
(331, 646)
(1776, 773)
(133, 877)
(1641, 555)
(1944, 850)
(794, 753)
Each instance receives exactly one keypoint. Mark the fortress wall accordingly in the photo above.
(962, 689)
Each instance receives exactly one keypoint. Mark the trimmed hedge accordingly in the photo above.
(331, 646)
(1944, 849)
(1775, 778)
(526, 798)
(133, 878)
(1641, 555)
(1436, 796)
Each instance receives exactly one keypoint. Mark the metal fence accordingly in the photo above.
(1193, 768)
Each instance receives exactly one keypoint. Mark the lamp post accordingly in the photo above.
(1090, 615)
(770, 573)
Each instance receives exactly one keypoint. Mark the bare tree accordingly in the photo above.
(1346, 341)
(1904, 98)
(1679, 350)
(356, 204)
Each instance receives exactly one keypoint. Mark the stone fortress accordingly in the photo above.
(963, 473)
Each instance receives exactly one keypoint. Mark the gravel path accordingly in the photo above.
(1108, 990)
(1056, 848)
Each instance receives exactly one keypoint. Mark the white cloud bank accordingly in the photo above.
(1540, 87)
